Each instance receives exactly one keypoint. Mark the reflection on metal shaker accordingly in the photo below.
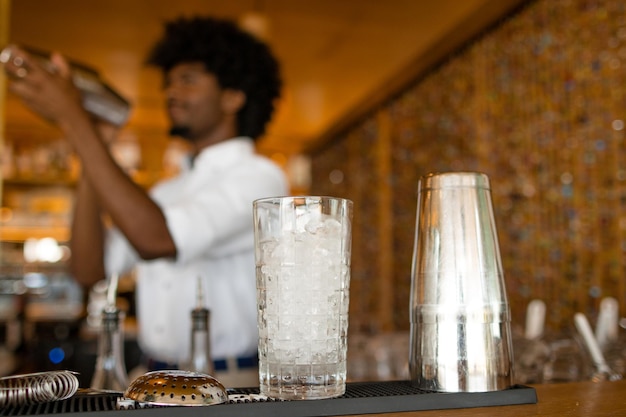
(460, 317)
(99, 98)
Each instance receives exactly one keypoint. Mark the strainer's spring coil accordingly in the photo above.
(38, 387)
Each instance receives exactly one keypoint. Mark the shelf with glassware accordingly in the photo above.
(36, 208)
(38, 176)
(39, 204)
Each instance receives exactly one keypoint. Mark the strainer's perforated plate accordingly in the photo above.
(180, 388)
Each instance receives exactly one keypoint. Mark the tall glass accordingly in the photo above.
(303, 247)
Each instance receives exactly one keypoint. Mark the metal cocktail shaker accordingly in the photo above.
(460, 317)
(99, 98)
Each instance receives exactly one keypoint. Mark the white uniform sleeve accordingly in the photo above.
(217, 220)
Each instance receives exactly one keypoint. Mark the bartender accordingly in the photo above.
(220, 85)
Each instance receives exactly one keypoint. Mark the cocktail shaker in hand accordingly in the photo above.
(99, 98)
(460, 317)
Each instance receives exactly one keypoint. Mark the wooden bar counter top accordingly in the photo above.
(588, 399)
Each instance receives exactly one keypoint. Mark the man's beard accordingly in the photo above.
(181, 131)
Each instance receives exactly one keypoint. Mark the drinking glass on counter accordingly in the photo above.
(566, 362)
(530, 349)
(601, 370)
(610, 335)
(302, 249)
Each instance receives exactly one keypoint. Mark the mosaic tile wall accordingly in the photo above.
(538, 103)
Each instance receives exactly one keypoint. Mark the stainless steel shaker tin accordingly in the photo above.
(460, 319)
(99, 98)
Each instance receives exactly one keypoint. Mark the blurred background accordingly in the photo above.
(376, 95)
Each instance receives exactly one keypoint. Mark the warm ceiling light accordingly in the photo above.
(255, 23)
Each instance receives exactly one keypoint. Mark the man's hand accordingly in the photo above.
(48, 91)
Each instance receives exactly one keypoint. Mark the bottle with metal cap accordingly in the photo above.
(200, 354)
(99, 98)
(110, 372)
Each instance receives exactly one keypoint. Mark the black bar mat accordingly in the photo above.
(360, 398)
(378, 397)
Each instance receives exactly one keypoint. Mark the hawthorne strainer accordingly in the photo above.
(176, 387)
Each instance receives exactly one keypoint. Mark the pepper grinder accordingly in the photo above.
(110, 372)
(200, 356)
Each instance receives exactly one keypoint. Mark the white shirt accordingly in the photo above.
(208, 209)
